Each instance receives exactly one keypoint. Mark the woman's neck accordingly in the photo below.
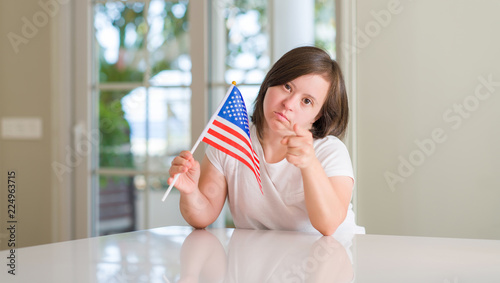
(274, 151)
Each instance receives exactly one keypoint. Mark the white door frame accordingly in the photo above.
(346, 57)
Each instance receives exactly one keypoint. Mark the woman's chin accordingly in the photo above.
(280, 128)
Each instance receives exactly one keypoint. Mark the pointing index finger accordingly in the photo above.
(299, 131)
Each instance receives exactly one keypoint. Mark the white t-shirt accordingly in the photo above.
(282, 206)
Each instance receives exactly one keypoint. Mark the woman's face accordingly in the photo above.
(296, 102)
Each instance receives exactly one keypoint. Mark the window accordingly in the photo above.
(142, 88)
(142, 80)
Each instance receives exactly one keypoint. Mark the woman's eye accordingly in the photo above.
(288, 87)
(307, 101)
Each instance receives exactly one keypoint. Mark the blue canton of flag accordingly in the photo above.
(235, 111)
(229, 132)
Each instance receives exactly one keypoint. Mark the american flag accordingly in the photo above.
(229, 132)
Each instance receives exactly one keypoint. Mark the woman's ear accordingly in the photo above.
(320, 114)
(311, 126)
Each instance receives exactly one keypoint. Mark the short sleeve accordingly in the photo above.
(215, 157)
(334, 157)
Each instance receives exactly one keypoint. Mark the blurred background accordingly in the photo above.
(97, 98)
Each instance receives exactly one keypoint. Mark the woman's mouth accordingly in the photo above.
(281, 117)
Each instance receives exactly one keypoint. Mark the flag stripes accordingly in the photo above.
(236, 133)
(230, 139)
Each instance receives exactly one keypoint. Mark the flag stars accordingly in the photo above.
(234, 110)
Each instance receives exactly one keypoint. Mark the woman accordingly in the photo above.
(300, 113)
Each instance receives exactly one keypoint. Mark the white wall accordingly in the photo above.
(25, 91)
(420, 77)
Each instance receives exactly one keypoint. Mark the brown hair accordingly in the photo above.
(301, 61)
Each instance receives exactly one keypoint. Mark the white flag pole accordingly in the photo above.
(201, 136)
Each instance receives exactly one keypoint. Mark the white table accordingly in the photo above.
(181, 254)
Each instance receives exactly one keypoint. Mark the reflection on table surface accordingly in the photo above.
(181, 254)
(264, 256)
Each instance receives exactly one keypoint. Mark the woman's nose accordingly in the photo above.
(289, 102)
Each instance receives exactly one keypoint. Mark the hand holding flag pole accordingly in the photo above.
(228, 131)
(198, 141)
(177, 175)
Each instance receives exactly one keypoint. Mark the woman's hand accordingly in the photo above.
(300, 151)
(189, 169)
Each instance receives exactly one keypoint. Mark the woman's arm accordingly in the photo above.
(203, 190)
(327, 198)
(202, 256)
